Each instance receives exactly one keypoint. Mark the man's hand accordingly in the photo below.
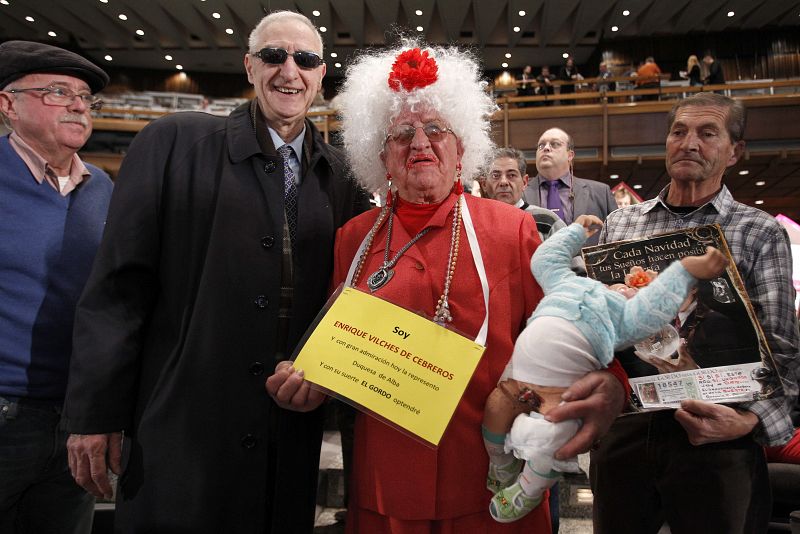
(597, 399)
(90, 457)
(289, 390)
(706, 422)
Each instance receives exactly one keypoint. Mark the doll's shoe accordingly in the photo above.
(511, 504)
(500, 477)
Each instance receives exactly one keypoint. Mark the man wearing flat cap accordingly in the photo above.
(52, 211)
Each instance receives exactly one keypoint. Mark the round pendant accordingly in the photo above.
(379, 278)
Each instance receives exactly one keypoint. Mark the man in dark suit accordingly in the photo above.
(555, 187)
(215, 259)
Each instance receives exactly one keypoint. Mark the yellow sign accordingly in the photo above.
(403, 367)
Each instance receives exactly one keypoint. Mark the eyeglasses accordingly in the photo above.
(404, 133)
(60, 96)
(555, 144)
(277, 56)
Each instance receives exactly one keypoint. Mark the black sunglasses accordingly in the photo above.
(277, 56)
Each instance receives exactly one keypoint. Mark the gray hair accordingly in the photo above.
(511, 153)
(736, 114)
(253, 42)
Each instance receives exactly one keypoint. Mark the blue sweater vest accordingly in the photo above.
(47, 245)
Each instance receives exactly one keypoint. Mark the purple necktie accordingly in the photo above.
(554, 198)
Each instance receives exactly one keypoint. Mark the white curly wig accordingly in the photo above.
(368, 105)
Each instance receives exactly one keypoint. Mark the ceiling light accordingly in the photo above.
(323, 29)
(614, 28)
(168, 57)
(504, 65)
(637, 186)
(104, 1)
(122, 16)
(419, 28)
(316, 13)
(216, 15)
(759, 202)
(418, 12)
(744, 172)
(614, 176)
(337, 65)
(108, 58)
(521, 12)
(179, 67)
(760, 183)
(516, 29)
(334, 54)
(508, 55)
(565, 55)
(29, 18)
(731, 13)
(4, 2)
(139, 32)
(626, 13)
(229, 31)
(51, 34)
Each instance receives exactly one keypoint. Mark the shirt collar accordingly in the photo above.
(296, 143)
(566, 179)
(41, 170)
(722, 202)
(520, 203)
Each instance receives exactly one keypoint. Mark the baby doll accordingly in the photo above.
(574, 330)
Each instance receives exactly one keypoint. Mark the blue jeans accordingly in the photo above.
(37, 492)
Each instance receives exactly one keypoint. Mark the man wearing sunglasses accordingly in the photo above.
(52, 209)
(217, 256)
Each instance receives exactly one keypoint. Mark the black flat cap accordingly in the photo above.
(18, 58)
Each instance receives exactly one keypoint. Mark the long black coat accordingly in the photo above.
(176, 330)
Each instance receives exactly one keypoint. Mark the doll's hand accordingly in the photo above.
(708, 266)
(590, 223)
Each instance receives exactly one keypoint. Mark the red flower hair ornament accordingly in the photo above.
(413, 69)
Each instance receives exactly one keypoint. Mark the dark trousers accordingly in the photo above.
(646, 472)
(37, 492)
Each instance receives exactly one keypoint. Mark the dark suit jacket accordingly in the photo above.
(591, 198)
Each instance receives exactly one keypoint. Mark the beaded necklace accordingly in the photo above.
(385, 272)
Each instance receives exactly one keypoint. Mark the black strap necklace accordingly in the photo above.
(385, 272)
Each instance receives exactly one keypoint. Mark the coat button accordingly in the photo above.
(270, 167)
(267, 241)
(256, 368)
(261, 302)
(249, 441)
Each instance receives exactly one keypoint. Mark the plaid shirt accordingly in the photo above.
(760, 248)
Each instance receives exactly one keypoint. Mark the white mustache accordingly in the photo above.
(76, 118)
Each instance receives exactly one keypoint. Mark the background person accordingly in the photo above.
(506, 179)
(546, 87)
(570, 75)
(693, 71)
(558, 189)
(715, 75)
(216, 257)
(52, 210)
